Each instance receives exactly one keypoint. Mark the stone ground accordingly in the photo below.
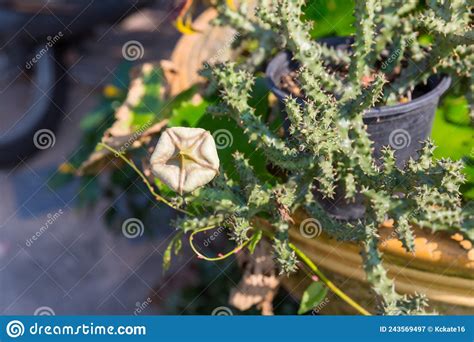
(76, 265)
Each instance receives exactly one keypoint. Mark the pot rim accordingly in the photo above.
(376, 112)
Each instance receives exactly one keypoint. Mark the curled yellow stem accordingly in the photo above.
(185, 27)
(184, 22)
(220, 257)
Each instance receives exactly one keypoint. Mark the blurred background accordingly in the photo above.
(76, 265)
(63, 74)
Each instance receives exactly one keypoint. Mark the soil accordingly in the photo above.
(292, 85)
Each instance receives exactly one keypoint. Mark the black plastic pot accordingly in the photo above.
(403, 126)
(44, 113)
(34, 19)
(25, 29)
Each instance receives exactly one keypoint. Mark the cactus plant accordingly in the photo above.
(327, 145)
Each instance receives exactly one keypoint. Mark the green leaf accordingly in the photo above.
(312, 296)
(259, 97)
(152, 102)
(178, 245)
(167, 257)
(175, 245)
(154, 106)
(188, 114)
(330, 17)
(254, 241)
(453, 135)
(165, 190)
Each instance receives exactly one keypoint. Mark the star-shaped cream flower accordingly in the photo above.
(185, 158)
